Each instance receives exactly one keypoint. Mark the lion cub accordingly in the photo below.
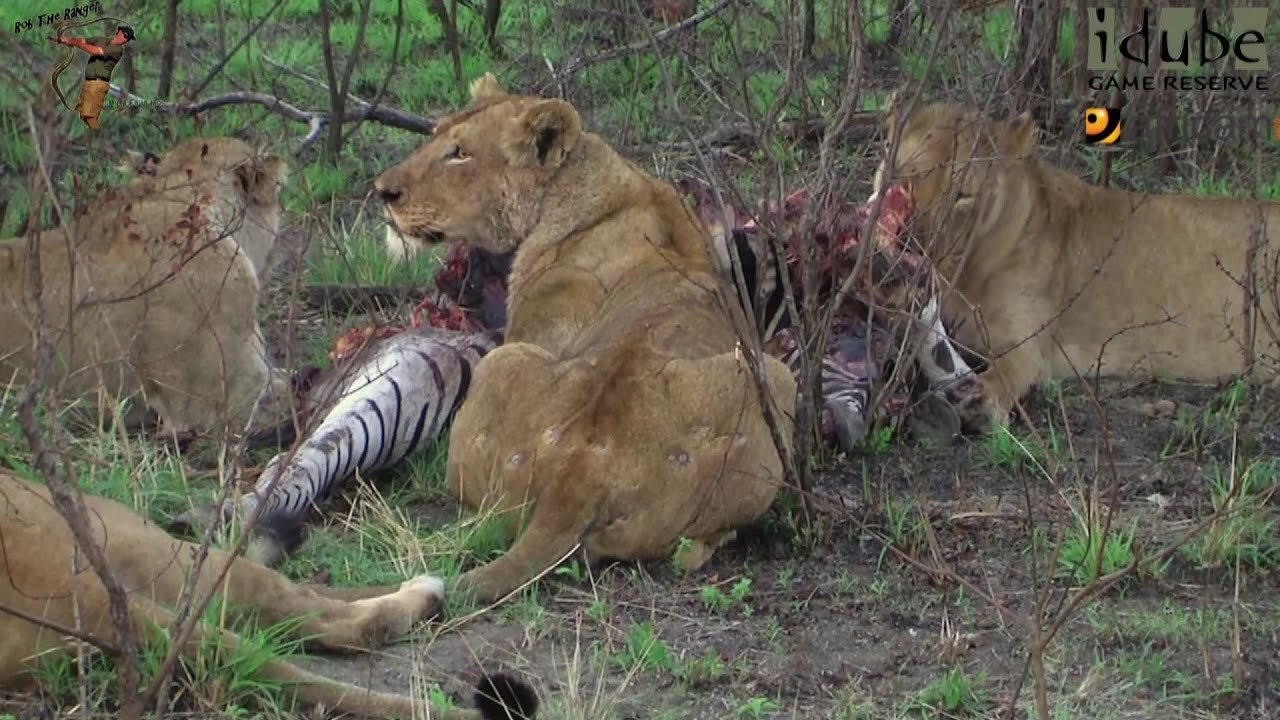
(1054, 276)
(152, 288)
(619, 414)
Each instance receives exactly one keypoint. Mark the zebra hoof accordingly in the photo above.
(935, 419)
(272, 540)
(850, 430)
(193, 522)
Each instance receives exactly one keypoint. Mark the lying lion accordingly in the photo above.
(1054, 276)
(618, 408)
(152, 289)
(39, 594)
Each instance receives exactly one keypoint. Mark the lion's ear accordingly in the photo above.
(544, 134)
(1021, 136)
(138, 163)
(484, 87)
(895, 110)
(261, 178)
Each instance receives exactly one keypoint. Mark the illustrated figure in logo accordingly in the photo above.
(104, 53)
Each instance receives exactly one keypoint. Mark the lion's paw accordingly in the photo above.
(425, 584)
(425, 596)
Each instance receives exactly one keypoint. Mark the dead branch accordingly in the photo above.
(315, 119)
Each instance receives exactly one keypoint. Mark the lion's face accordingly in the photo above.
(246, 182)
(259, 176)
(951, 158)
(481, 178)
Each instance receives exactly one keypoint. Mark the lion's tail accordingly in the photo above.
(497, 697)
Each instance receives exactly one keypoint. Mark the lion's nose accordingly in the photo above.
(388, 194)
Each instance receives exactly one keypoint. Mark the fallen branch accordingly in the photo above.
(316, 120)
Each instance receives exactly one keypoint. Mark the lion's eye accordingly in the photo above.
(456, 154)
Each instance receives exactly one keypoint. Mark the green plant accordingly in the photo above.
(358, 256)
(704, 670)
(713, 598)
(880, 440)
(644, 650)
(218, 676)
(953, 695)
(1087, 555)
(757, 707)
(1245, 530)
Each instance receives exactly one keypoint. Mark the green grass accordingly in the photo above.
(1246, 532)
(954, 695)
(357, 255)
(221, 679)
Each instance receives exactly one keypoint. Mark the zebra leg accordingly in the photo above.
(846, 389)
(401, 399)
(947, 373)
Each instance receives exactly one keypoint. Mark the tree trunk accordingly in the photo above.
(449, 23)
(1035, 51)
(492, 13)
(167, 49)
(899, 22)
(808, 36)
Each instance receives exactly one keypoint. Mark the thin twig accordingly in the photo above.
(648, 43)
(227, 58)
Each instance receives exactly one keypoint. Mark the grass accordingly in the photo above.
(356, 255)
(215, 678)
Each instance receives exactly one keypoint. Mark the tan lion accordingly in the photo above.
(152, 288)
(43, 604)
(1054, 276)
(618, 408)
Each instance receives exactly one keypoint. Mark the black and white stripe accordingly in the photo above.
(848, 369)
(397, 398)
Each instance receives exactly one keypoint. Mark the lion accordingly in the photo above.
(44, 603)
(620, 415)
(153, 289)
(1055, 277)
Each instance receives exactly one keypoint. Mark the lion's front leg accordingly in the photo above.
(1007, 379)
(343, 621)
